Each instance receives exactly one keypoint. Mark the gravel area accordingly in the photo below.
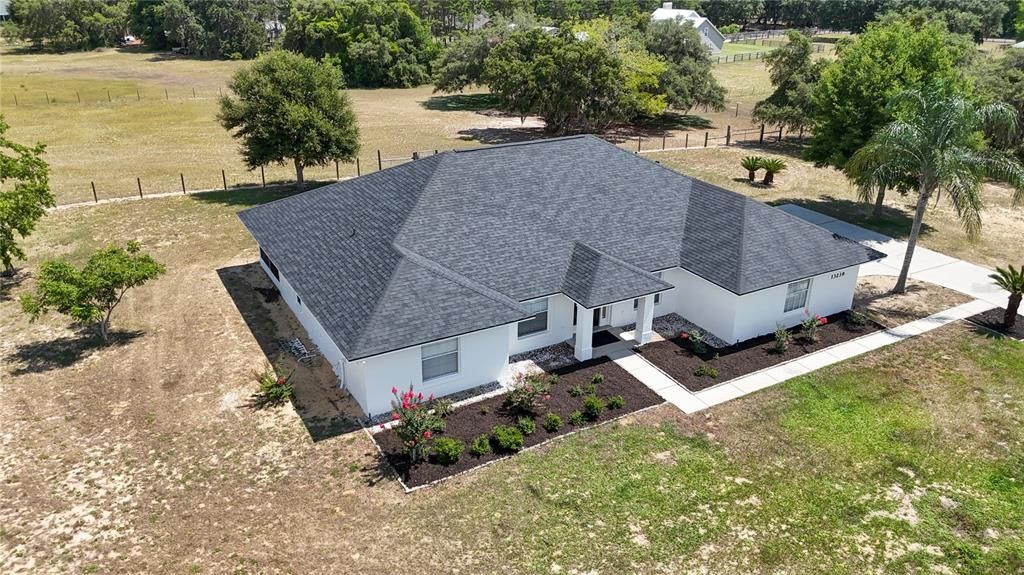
(668, 326)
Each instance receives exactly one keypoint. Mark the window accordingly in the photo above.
(539, 322)
(796, 295)
(270, 264)
(298, 299)
(657, 296)
(440, 359)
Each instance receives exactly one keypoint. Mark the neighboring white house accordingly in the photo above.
(707, 31)
(434, 272)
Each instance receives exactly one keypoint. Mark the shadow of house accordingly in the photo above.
(43, 356)
(461, 103)
(325, 410)
(893, 222)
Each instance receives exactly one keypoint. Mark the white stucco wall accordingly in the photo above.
(483, 357)
(761, 312)
(560, 327)
(316, 332)
(702, 302)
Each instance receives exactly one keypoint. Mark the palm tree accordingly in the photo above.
(752, 164)
(934, 143)
(1011, 280)
(771, 167)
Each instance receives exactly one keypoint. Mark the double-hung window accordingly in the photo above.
(539, 322)
(440, 359)
(796, 295)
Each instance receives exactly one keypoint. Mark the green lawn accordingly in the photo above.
(909, 461)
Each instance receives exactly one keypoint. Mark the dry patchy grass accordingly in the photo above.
(874, 296)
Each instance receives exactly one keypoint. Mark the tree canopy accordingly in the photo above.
(62, 25)
(23, 203)
(235, 29)
(89, 295)
(793, 74)
(290, 107)
(688, 80)
(851, 96)
(374, 43)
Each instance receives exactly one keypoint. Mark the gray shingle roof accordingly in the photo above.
(449, 244)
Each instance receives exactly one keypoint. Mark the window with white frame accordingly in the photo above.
(657, 296)
(539, 322)
(796, 295)
(440, 359)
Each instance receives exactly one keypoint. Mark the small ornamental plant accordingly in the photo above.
(552, 422)
(507, 438)
(526, 425)
(597, 378)
(616, 402)
(696, 339)
(704, 370)
(415, 421)
(481, 445)
(274, 388)
(592, 407)
(447, 450)
(443, 407)
(810, 326)
(528, 391)
(782, 339)
(576, 418)
(576, 391)
(856, 319)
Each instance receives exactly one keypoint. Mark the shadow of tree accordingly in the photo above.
(460, 103)
(789, 149)
(8, 283)
(503, 135)
(893, 222)
(326, 411)
(42, 356)
(250, 197)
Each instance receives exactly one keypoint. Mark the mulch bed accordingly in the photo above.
(993, 320)
(674, 357)
(476, 419)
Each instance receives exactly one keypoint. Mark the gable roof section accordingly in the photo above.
(451, 243)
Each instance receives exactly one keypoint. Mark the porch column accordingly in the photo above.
(644, 320)
(584, 333)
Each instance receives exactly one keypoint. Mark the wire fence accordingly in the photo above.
(274, 177)
(21, 97)
(748, 56)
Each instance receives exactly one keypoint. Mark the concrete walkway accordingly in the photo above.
(927, 265)
(691, 402)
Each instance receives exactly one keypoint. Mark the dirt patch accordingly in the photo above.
(875, 298)
(993, 320)
(675, 358)
(478, 419)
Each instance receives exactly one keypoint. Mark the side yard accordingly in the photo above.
(146, 456)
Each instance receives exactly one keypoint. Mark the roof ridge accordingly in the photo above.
(621, 262)
(524, 143)
(458, 278)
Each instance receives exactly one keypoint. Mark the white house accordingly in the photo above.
(707, 31)
(434, 272)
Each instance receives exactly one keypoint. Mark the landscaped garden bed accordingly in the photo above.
(557, 404)
(993, 320)
(711, 366)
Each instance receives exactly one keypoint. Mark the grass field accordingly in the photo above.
(144, 456)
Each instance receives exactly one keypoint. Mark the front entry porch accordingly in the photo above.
(583, 339)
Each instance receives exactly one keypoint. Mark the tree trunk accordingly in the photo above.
(879, 198)
(751, 174)
(104, 329)
(915, 231)
(1010, 319)
(299, 180)
(8, 270)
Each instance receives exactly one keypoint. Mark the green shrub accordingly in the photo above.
(447, 450)
(526, 393)
(705, 370)
(810, 326)
(553, 379)
(856, 319)
(485, 410)
(552, 422)
(576, 391)
(507, 438)
(597, 378)
(526, 425)
(274, 388)
(481, 445)
(592, 407)
(616, 402)
(782, 339)
(696, 339)
(576, 418)
(443, 407)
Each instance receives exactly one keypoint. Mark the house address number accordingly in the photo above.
(837, 275)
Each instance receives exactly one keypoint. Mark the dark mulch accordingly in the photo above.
(993, 320)
(476, 419)
(675, 358)
(603, 337)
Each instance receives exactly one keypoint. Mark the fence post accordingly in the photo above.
(663, 142)
(686, 142)
(737, 109)
(138, 96)
(94, 197)
(193, 93)
(108, 95)
(359, 172)
(139, 182)
(15, 100)
(182, 182)
(263, 177)
(48, 98)
(224, 179)
(380, 163)
(166, 95)
(638, 140)
(728, 135)
(337, 171)
(79, 96)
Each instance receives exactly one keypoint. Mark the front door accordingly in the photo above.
(601, 316)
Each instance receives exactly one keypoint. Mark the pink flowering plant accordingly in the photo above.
(274, 387)
(415, 422)
(810, 326)
(527, 393)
